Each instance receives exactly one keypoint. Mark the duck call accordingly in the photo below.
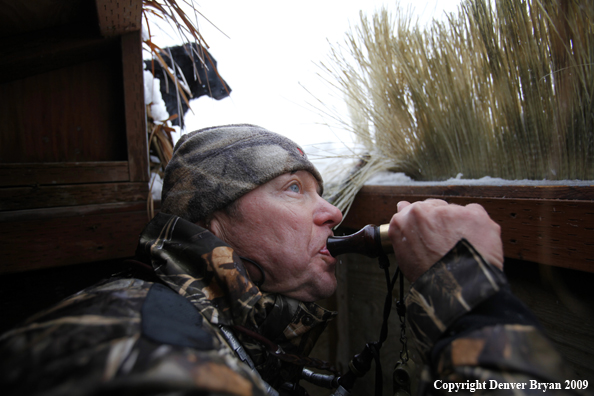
(370, 241)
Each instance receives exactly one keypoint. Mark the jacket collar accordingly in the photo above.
(201, 267)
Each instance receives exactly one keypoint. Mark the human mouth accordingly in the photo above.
(324, 250)
(327, 257)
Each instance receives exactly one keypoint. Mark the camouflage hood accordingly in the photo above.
(205, 270)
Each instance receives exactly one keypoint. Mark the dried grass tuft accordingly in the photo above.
(159, 131)
(501, 89)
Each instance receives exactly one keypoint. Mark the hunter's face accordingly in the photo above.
(283, 225)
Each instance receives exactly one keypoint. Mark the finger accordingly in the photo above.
(476, 207)
(436, 202)
(401, 205)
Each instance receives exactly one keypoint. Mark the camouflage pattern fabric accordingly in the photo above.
(201, 267)
(495, 358)
(451, 288)
(92, 344)
(212, 167)
(97, 341)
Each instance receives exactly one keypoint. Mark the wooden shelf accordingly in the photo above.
(73, 150)
(40, 174)
(35, 239)
(37, 52)
(551, 225)
(33, 197)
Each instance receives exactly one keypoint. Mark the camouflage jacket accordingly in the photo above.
(475, 336)
(171, 336)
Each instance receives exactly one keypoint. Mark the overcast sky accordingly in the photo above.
(270, 55)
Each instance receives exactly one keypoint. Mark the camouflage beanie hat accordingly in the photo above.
(213, 167)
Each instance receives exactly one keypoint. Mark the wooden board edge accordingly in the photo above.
(546, 231)
(135, 108)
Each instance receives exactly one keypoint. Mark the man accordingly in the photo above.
(239, 253)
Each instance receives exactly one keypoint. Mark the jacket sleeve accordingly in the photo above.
(475, 335)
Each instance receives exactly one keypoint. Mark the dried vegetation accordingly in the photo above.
(502, 89)
(159, 132)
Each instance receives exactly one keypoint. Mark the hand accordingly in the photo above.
(423, 232)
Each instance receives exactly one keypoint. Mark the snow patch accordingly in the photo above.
(152, 96)
(157, 186)
(400, 179)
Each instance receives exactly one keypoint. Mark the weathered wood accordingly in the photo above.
(35, 53)
(62, 173)
(73, 119)
(135, 109)
(104, 232)
(29, 15)
(363, 306)
(582, 192)
(67, 211)
(118, 17)
(73, 114)
(557, 232)
(33, 197)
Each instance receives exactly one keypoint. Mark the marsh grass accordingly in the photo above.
(501, 89)
(182, 16)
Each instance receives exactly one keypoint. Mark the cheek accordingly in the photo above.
(289, 227)
(278, 236)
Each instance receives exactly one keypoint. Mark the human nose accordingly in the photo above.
(327, 214)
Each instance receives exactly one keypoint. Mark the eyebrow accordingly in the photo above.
(318, 187)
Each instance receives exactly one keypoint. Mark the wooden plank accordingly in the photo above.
(35, 52)
(558, 232)
(20, 198)
(70, 211)
(96, 233)
(33, 15)
(28, 174)
(119, 16)
(578, 192)
(73, 114)
(134, 104)
(363, 309)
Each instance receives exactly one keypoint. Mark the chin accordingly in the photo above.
(326, 295)
(324, 291)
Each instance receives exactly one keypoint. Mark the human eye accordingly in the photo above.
(294, 188)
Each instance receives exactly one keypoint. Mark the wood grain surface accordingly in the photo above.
(548, 225)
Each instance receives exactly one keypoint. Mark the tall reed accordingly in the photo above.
(501, 89)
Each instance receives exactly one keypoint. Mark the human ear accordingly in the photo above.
(217, 225)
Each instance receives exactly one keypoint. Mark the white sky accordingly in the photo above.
(271, 59)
